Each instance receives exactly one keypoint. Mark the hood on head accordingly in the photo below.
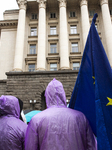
(55, 94)
(9, 106)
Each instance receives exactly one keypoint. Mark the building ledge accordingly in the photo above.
(32, 36)
(5, 23)
(34, 19)
(32, 41)
(72, 17)
(72, 58)
(52, 23)
(72, 53)
(3, 81)
(53, 18)
(68, 71)
(74, 38)
(72, 21)
(53, 59)
(53, 53)
(53, 40)
(31, 55)
(54, 35)
(27, 60)
(74, 34)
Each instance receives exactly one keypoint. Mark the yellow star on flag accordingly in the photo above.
(110, 101)
(94, 79)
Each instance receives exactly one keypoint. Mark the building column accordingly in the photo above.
(107, 27)
(41, 55)
(84, 20)
(19, 49)
(64, 51)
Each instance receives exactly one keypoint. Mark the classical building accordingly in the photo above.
(45, 39)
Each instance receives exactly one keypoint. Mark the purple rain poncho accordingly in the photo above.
(59, 127)
(12, 129)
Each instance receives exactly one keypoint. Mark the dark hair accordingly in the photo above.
(21, 107)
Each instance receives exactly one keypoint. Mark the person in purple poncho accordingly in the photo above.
(59, 127)
(12, 129)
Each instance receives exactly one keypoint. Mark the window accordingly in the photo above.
(53, 67)
(76, 66)
(52, 15)
(74, 47)
(73, 29)
(52, 30)
(34, 16)
(33, 31)
(53, 48)
(33, 49)
(31, 67)
(72, 14)
(91, 13)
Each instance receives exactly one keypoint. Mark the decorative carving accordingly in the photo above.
(42, 3)
(62, 3)
(103, 2)
(83, 2)
(22, 4)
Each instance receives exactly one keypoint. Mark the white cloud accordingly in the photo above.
(7, 5)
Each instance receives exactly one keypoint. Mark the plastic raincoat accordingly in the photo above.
(59, 127)
(12, 129)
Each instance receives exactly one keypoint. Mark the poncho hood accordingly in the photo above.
(55, 94)
(9, 106)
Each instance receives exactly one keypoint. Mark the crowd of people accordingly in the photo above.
(55, 128)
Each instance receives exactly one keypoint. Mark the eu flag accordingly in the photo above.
(92, 93)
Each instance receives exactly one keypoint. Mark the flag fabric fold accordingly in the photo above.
(92, 93)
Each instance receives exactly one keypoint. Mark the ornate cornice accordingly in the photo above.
(22, 4)
(83, 2)
(103, 2)
(7, 23)
(62, 3)
(42, 3)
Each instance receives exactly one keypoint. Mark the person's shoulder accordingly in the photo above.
(16, 123)
(75, 112)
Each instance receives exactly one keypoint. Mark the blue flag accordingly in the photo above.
(92, 93)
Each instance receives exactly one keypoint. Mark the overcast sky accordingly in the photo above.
(7, 5)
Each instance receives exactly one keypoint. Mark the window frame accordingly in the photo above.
(33, 16)
(32, 49)
(33, 31)
(76, 68)
(53, 50)
(52, 15)
(53, 68)
(76, 48)
(91, 13)
(73, 29)
(54, 30)
(31, 68)
(71, 13)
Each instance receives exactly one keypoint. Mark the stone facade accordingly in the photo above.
(31, 86)
(57, 30)
(32, 24)
(3, 84)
